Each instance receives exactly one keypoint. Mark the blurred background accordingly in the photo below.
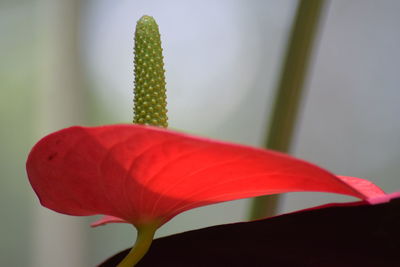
(68, 62)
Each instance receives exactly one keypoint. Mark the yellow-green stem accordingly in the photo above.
(143, 241)
(290, 90)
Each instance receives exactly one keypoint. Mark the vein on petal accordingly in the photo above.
(141, 154)
(163, 193)
(274, 173)
(102, 185)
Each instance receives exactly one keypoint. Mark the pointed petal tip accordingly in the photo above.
(106, 219)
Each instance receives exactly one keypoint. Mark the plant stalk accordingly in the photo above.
(289, 91)
(143, 242)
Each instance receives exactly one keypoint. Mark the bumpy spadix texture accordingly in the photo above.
(150, 97)
(142, 174)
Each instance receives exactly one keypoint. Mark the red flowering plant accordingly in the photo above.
(145, 175)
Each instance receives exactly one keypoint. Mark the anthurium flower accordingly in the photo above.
(146, 175)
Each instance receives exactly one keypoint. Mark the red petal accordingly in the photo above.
(141, 174)
(367, 188)
(107, 219)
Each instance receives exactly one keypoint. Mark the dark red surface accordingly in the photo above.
(347, 235)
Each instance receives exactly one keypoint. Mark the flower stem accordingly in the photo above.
(143, 241)
(290, 90)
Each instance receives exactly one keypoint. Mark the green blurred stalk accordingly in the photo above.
(289, 91)
(60, 101)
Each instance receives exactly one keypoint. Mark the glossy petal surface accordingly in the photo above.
(142, 174)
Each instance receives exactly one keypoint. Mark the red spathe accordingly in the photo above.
(144, 174)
